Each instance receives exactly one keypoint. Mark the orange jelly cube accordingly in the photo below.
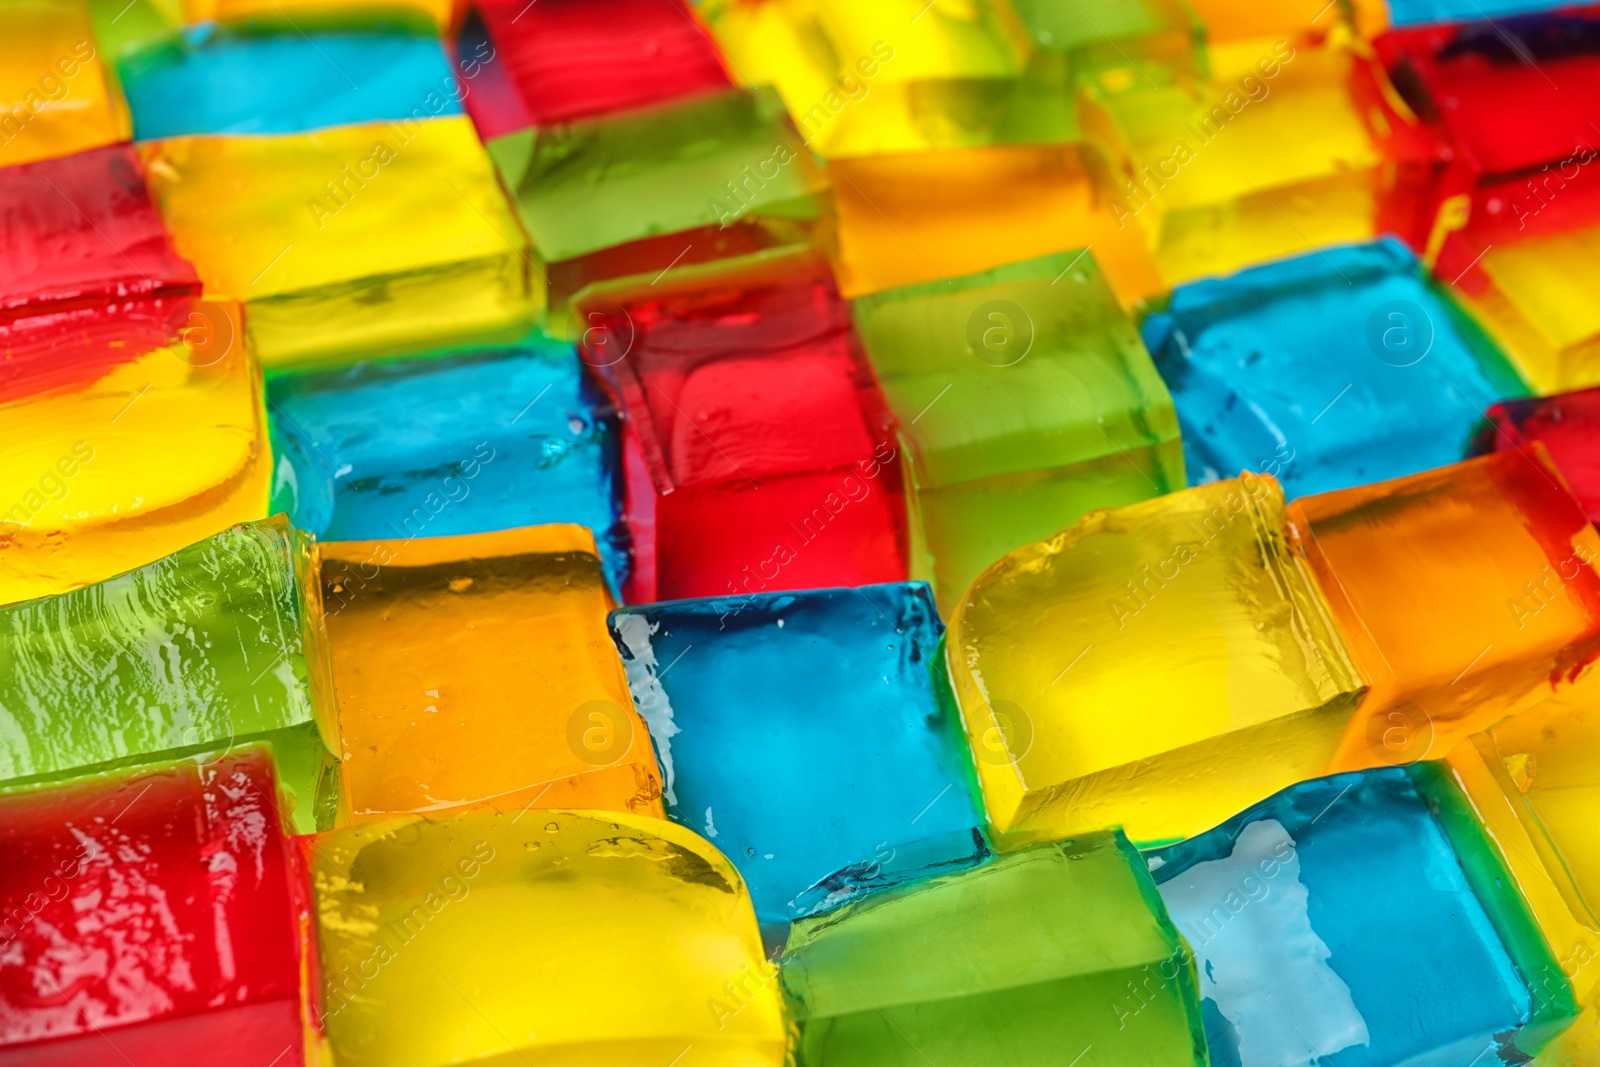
(479, 667)
(1467, 593)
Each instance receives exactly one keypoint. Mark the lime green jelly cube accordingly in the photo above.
(1029, 960)
(1026, 399)
(218, 645)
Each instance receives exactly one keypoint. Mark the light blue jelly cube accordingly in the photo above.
(1342, 923)
(457, 443)
(1328, 370)
(286, 83)
(810, 736)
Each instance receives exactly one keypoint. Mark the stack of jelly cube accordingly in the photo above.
(795, 533)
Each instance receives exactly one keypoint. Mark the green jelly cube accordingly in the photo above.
(218, 645)
(1029, 960)
(713, 177)
(1112, 44)
(1026, 399)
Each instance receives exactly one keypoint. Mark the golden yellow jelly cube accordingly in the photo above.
(566, 939)
(1158, 667)
(158, 442)
(1265, 164)
(1532, 782)
(1537, 302)
(932, 216)
(1547, 759)
(349, 241)
(56, 96)
(890, 76)
(1237, 31)
(479, 667)
(321, 14)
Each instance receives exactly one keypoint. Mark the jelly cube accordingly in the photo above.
(79, 232)
(1252, 165)
(929, 216)
(894, 76)
(56, 95)
(1486, 94)
(719, 176)
(1532, 297)
(127, 431)
(1411, 12)
(218, 644)
(808, 734)
(286, 83)
(277, 15)
(1035, 958)
(653, 52)
(1383, 377)
(1238, 32)
(1568, 426)
(479, 667)
(152, 918)
(490, 96)
(564, 938)
(1157, 666)
(354, 240)
(1109, 43)
(1466, 593)
(1026, 400)
(1361, 919)
(1532, 785)
(494, 439)
(759, 452)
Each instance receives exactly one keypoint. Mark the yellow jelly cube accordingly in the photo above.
(891, 76)
(56, 96)
(566, 939)
(1237, 31)
(479, 667)
(146, 453)
(1159, 666)
(349, 241)
(1533, 783)
(1539, 305)
(1259, 165)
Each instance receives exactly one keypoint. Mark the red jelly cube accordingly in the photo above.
(1569, 427)
(151, 918)
(88, 274)
(570, 59)
(1505, 110)
(760, 453)
(82, 230)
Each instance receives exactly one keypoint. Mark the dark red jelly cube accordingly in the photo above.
(571, 59)
(1499, 113)
(1568, 425)
(81, 230)
(760, 452)
(153, 918)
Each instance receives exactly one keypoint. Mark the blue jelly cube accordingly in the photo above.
(286, 83)
(1332, 369)
(1415, 12)
(809, 735)
(457, 443)
(1361, 920)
